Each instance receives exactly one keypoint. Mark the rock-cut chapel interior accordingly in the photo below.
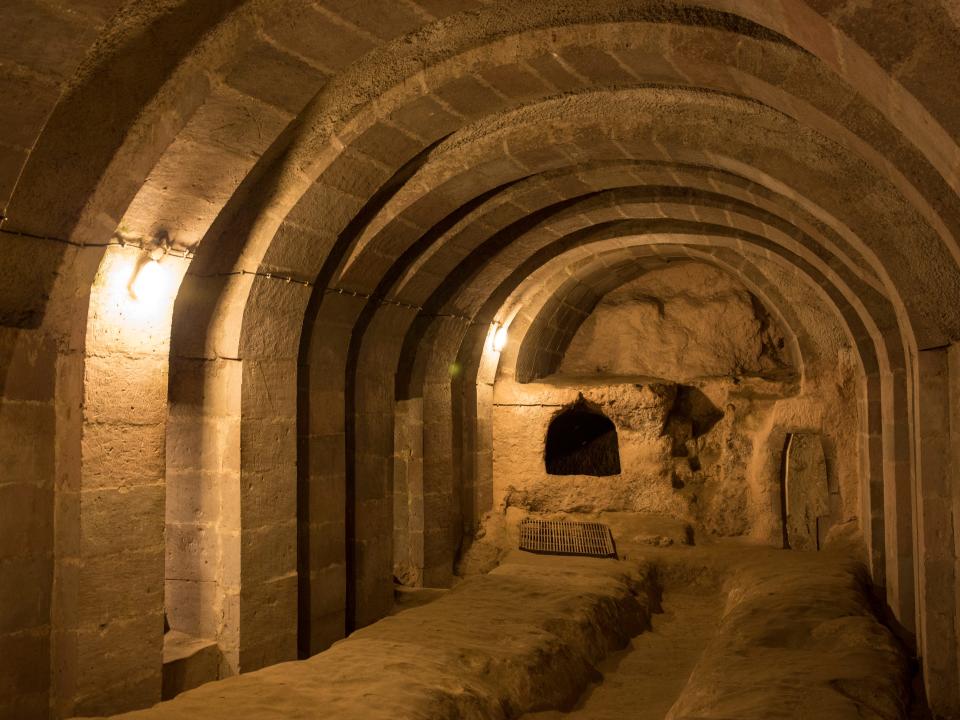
(479, 359)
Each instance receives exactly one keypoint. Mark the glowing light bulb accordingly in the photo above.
(150, 283)
(500, 338)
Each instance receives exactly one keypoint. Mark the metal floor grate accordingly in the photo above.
(565, 537)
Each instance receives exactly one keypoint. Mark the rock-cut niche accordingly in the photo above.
(581, 440)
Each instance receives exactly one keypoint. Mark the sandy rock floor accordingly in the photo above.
(524, 637)
(669, 631)
(642, 681)
(798, 638)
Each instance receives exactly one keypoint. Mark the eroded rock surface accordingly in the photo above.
(703, 386)
(524, 637)
(783, 634)
(798, 639)
(685, 450)
(750, 633)
(682, 323)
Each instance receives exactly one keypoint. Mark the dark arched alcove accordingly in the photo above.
(582, 441)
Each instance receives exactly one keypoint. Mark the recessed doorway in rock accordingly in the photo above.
(804, 493)
(581, 440)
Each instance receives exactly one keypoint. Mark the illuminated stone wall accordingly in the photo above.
(698, 378)
(351, 195)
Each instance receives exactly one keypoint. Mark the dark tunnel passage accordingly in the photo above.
(582, 441)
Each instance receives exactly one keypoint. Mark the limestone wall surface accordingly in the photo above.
(27, 481)
(693, 373)
(684, 322)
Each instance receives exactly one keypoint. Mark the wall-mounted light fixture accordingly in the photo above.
(150, 280)
(135, 289)
(498, 340)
